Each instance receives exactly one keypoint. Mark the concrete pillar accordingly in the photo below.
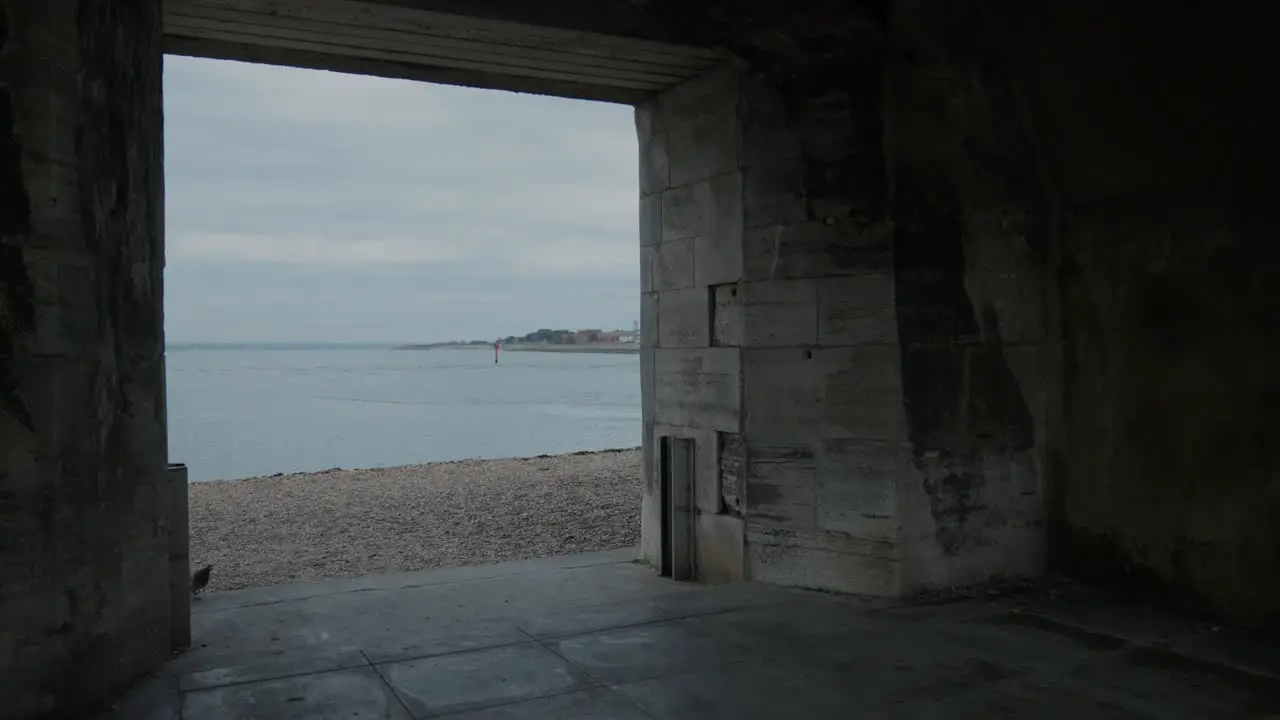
(690, 244)
(179, 559)
(922, 325)
(828, 471)
(858, 368)
(84, 511)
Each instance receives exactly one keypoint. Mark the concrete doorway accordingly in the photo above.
(327, 236)
(679, 556)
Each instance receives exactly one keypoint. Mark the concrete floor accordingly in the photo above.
(597, 636)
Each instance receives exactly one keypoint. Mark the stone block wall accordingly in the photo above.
(84, 597)
(690, 247)
(885, 334)
(859, 363)
(995, 297)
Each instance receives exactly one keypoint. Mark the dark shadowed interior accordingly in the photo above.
(938, 292)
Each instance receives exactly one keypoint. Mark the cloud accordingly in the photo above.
(307, 250)
(392, 170)
(565, 254)
(276, 172)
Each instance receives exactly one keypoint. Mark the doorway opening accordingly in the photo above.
(678, 478)
(343, 252)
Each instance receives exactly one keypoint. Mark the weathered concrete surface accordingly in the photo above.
(886, 442)
(1170, 382)
(996, 309)
(599, 637)
(939, 290)
(1112, 223)
(83, 495)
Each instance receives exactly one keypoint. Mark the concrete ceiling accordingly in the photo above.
(391, 38)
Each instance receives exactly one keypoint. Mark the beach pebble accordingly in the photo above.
(344, 523)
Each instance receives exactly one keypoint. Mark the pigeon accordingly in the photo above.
(200, 579)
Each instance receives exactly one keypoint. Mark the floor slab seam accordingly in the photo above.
(630, 701)
(1130, 645)
(478, 708)
(598, 681)
(618, 687)
(387, 684)
(446, 653)
(642, 623)
(1126, 645)
(689, 626)
(270, 678)
(589, 682)
(1063, 628)
(727, 638)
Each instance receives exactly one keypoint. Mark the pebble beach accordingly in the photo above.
(344, 523)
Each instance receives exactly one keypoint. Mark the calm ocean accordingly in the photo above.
(238, 411)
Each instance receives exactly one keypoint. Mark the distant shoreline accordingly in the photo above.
(597, 348)
(593, 348)
(607, 349)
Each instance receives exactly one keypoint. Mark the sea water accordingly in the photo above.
(243, 410)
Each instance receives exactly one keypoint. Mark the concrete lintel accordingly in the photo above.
(463, 47)
(313, 60)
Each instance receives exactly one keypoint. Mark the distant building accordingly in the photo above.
(586, 337)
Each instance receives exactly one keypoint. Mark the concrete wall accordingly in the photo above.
(918, 284)
(998, 301)
(1159, 147)
(1094, 191)
(83, 503)
(863, 375)
(690, 244)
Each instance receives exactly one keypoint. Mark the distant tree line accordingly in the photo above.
(543, 335)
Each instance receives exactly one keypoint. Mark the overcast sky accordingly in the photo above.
(311, 206)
